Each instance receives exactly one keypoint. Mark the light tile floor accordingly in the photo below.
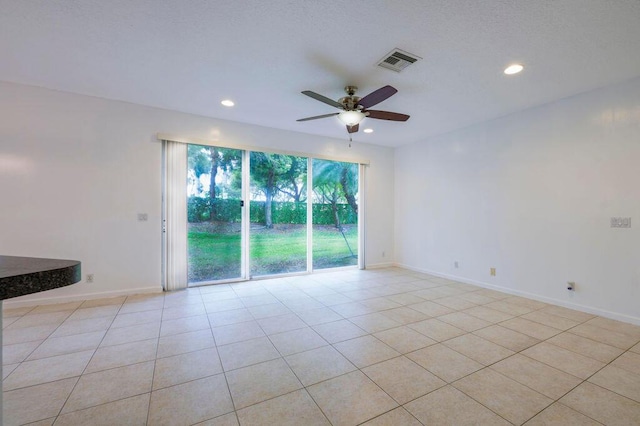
(378, 347)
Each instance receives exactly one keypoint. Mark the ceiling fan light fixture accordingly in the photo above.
(351, 118)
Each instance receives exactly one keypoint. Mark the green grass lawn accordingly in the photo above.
(214, 252)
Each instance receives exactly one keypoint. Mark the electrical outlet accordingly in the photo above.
(571, 286)
(383, 254)
(89, 278)
(492, 271)
(455, 264)
(143, 217)
(621, 222)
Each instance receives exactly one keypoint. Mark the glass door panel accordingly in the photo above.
(278, 214)
(214, 213)
(335, 214)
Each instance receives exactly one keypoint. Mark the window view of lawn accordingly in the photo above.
(278, 213)
(272, 254)
(335, 188)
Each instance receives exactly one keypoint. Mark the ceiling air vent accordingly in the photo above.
(397, 60)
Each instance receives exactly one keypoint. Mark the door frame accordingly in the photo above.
(245, 212)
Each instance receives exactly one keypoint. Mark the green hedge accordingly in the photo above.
(198, 210)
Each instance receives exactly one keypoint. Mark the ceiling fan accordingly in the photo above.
(355, 109)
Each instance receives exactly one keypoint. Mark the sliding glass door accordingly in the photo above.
(278, 242)
(214, 213)
(335, 214)
(251, 213)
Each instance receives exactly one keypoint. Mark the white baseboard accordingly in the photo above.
(577, 307)
(381, 265)
(34, 301)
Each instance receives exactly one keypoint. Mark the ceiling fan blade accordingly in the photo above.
(319, 116)
(353, 129)
(321, 98)
(377, 96)
(386, 115)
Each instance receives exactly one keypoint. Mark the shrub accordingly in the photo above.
(198, 210)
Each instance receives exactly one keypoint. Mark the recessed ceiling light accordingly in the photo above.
(513, 69)
(228, 103)
(368, 130)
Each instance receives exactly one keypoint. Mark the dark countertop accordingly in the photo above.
(26, 275)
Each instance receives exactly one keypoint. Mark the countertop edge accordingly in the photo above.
(37, 281)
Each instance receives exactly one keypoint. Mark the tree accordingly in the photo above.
(224, 160)
(211, 160)
(214, 155)
(198, 161)
(349, 183)
(276, 173)
(329, 194)
(336, 178)
(294, 181)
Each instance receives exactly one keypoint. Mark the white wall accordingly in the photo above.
(76, 170)
(532, 194)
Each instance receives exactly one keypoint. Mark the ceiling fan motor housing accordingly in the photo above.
(350, 102)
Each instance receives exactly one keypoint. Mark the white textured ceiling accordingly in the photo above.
(189, 55)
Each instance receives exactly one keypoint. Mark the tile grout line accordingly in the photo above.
(155, 361)
(224, 373)
(349, 319)
(81, 374)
